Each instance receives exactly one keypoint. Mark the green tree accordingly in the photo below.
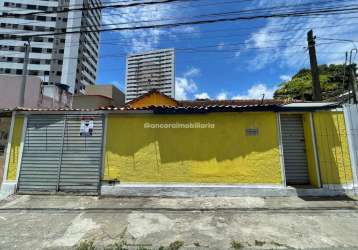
(334, 81)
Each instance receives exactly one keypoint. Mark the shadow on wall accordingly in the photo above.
(332, 145)
(224, 154)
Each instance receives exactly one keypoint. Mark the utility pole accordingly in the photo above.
(352, 76)
(316, 86)
(24, 74)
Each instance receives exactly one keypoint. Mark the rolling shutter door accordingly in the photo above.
(41, 154)
(81, 157)
(294, 149)
(56, 158)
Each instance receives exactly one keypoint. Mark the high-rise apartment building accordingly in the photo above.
(69, 59)
(150, 70)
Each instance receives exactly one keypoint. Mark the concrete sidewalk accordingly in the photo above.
(62, 222)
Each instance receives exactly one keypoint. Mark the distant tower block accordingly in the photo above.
(150, 70)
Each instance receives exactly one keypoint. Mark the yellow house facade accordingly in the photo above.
(224, 154)
(253, 144)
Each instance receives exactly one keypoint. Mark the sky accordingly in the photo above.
(228, 60)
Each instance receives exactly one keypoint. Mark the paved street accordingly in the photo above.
(62, 222)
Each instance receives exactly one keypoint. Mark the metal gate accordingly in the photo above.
(294, 150)
(57, 158)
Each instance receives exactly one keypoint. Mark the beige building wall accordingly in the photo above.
(36, 94)
(109, 91)
(90, 101)
(10, 91)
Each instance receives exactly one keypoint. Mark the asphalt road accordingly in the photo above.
(63, 222)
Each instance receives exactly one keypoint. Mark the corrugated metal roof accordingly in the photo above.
(47, 109)
(202, 107)
(310, 104)
(208, 102)
(199, 108)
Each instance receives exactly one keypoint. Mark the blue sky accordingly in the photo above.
(229, 60)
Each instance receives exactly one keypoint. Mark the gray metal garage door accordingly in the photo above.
(294, 150)
(41, 154)
(56, 158)
(81, 156)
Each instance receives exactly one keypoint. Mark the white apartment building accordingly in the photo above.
(68, 59)
(150, 70)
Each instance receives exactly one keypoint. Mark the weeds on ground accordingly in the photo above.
(176, 245)
(89, 245)
(259, 243)
(236, 245)
(116, 246)
(86, 245)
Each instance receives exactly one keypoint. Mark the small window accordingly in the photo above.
(36, 50)
(40, 28)
(38, 39)
(252, 132)
(28, 27)
(31, 7)
(41, 18)
(35, 61)
(42, 8)
(19, 72)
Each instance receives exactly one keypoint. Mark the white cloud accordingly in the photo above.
(144, 39)
(221, 46)
(222, 96)
(203, 95)
(192, 72)
(285, 78)
(237, 53)
(183, 87)
(256, 92)
(289, 48)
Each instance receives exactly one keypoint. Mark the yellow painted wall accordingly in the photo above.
(15, 148)
(332, 145)
(312, 171)
(224, 154)
(153, 99)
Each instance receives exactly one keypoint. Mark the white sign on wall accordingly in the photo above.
(86, 128)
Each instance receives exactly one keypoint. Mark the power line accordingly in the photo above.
(209, 21)
(217, 46)
(65, 9)
(107, 42)
(205, 15)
